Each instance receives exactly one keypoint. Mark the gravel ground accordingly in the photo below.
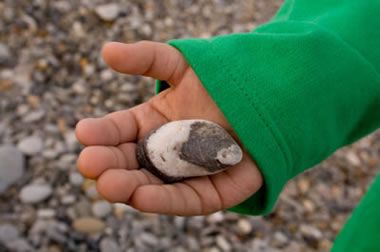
(51, 76)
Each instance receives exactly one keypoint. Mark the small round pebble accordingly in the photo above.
(35, 193)
(108, 12)
(31, 145)
(89, 225)
(76, 179)
(101, 209)
(109, 245)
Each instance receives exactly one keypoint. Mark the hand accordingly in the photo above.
(110, 158)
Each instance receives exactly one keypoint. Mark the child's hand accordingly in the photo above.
(111, 141)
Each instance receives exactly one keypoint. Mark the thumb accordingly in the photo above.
(152, 59)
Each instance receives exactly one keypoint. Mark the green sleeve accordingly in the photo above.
(361, 233)
(297, 88)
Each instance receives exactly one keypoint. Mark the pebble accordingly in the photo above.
(311, 231)
(223, 243)
(148, 239)
(192, 148)
(68, 199)
(34, 116)
(280, 239)
(108, 244)
(108, 12)
(8, 233)
(20, 245)
(31, 145)
(11, 166)
(215, 217)
(101, 209)
(89, 225)
(259, 245)
(244, 226)
(47, 213)
(35, 193)
(6, 57)
(76, 179)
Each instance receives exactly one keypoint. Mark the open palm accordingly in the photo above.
(111, 141)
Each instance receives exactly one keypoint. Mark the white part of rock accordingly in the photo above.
(230, 156)
(164, 150)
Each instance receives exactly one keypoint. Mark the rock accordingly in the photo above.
(46, 213)
(311, 231)
(76, 179)
(89, 225)
(68, 199)
(280, 239)
(192, 148)
(34, 116)
(6, 58)
(20, 245)
(11, 166)
(109, 245)
(31, 145)
(66, 161)
(35, 193)
(244, 227)
(101, 209)
(108, 12)
(8, 233)
(223, 243)
(148, 239)
(259, 245)
(215, 217)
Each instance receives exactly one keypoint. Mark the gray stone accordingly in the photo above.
(35, 193)
(108, 12)
(101, 209)
(259, 245)
(8, 233)
(109, 245)
(34, 116)
(148, 239)
(20, 245)
(6, 58)
(68, 199)
(76, 179)
(311, 231)
(11, 166)
(31, 145)
(280, 239)
(46, 213)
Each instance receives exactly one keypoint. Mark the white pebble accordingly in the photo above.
(35, 193)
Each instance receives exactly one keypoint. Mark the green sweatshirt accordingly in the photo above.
(296, 88)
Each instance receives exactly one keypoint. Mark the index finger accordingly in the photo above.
(119, 127)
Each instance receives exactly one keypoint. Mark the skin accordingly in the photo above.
(109, 155)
